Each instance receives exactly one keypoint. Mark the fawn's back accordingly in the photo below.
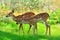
(24, 17)
(39, 17)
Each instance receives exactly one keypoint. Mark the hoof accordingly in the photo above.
(16, 23)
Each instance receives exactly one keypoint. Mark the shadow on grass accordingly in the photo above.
(26, 37)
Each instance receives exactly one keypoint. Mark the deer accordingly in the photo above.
(36, 18)
(19, 19)
(32, 20)
(40, 17)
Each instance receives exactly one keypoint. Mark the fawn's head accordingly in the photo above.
(10, 14)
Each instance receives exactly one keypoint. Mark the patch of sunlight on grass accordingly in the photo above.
(43, 39)
(55, 30)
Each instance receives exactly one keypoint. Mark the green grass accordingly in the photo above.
(8, 32)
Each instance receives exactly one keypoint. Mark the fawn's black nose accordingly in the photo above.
(6, 16)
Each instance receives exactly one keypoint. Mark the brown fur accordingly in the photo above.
(19, 18)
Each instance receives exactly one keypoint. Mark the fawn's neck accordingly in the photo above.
(14, 17)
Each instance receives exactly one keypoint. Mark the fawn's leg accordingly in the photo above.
(20, 28)
(49, 30)
(47, 27)
(29, 28)
(36, 28)
(33, 28)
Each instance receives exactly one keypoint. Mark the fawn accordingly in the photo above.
(19, 19)
(36, 18)
(40, 17)
(31, 19)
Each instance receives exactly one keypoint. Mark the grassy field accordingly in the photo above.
(9, 29)
(10, 32)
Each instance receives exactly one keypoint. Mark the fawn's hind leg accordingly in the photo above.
(47, 28)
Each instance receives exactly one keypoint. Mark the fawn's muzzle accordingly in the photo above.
(6, 16)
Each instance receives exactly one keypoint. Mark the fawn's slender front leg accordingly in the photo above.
(34, 27)
(49, 31)
(21, 26)
(29, 28)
